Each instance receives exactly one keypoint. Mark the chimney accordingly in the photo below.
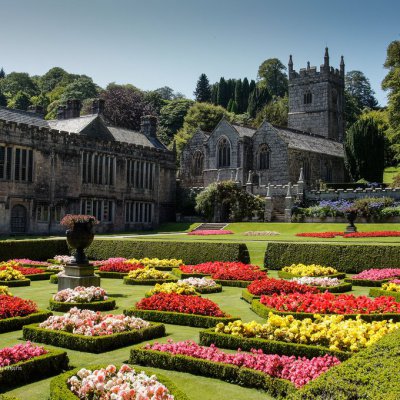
(73, 109)
(61, 112)
(98, 106)
(148, 125)
(38, 110)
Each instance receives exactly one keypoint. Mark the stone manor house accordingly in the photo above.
(310, 148)
(81, 164)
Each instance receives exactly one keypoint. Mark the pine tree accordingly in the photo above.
(245, 94)
(234, 107)
(2, 73)
(364, 149)
(252, 86)
(229, 106)
(202, 93)
(223, 95)
(239, 96)
(258, 98)
(214, 93)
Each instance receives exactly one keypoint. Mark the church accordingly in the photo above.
(312, 143)
(82, 165)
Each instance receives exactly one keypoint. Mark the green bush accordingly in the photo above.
(372, 374)
(104, 305)
(376, 292)
(35, 249)
(288, 275)
(59, 389)
(111, 274)
(36, 368)
(263, 311)
(209, 336)
(349, 258)
(210, 289)
(189, 252)
(40, 277)
(147, 282)
(365, 282)
(54, 279)
(175, 318)
(16, 283)
(226, 372)
(16, 323)
(184, 275)
(92, 344)
(233, 283)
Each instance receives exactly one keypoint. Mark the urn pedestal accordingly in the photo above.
(351, 217)
(79, 272)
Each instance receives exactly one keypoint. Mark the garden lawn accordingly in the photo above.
(390, 173)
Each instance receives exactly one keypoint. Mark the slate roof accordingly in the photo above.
(134, 137)
(244, 130)
(73, 125)
(22, 117)
(315, 144)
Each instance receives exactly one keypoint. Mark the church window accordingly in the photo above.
(138, 212)
(307, 97)
(42, 213)
(224, 153)
(197, 163)
(263, 157)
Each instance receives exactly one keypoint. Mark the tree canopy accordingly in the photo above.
(202, 92)
(272, 76)
(358, 86)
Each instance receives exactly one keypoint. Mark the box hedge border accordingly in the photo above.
(349, 258)
(60, 391)
(111, 274)
(104, 305)
(16, 283)
(53, 279)
(288, 275)
(373, 373)
(147, 282)
(16, 323)
(36, 368)
(376, 292)
(189, 252)
(366, 282)
(175, 318)
(184, 275)
(92, 344)
(209, 289)
(40, 277)
(262, 311)
(233, 283)
(230, 373)
(227, 341)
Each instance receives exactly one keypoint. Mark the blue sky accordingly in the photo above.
(154, 43)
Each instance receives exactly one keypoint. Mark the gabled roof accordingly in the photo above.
(73, 125)
(22, 117)
(244, 130)
(134, 137)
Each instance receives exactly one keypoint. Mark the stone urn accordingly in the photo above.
(351, 216)
(80, 237)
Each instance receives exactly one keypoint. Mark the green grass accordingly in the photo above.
(390, 173)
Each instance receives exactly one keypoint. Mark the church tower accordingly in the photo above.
(316, 99)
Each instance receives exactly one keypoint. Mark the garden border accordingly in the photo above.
(16, 323)
(288, 275)
(92, 344)
(147, 282)
(367, 282)
(40, 277)
(103, 305)
(16, 283)
(183, 275)
(376, 292)
(225, 372)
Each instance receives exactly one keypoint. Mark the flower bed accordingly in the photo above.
(91, 331)
(25, 363)
(378, 292)
(117, 268)
(147, 276)
(202, 285)
(333, 333)
(123, 265)
(61, 259)
(12, 278)
(173, 287)
(142, 382)
(330, 235)
(89, 298)
(30, 263)
(298, 371)
(332, 285)
(206, 232)
(180, 310)
(34, 274)
(261, 233)
(307, 304)
(299, 270)
(5, 290)
(374, 276)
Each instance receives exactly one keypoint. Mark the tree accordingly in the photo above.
(352, 111)
(3, 100)
(165, 92)
(364, 151)
(239, 97)
(272, 76)
(201, 115)
(223, 94)
(18, 82)
(54, 77)
(245, 94)
(125, 105)
(214, 93)
(202, 93)
(171, 118)
(275, 112)
(81, 89)
(21, 101)
(358, 86)
(259, 97)
(2, 73)
(154, 100)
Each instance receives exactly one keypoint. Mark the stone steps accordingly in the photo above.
(210, 227)
(278, 217)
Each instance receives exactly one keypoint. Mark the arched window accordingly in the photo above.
(263, 157)
(197, 163)
(307, 97)
(224, 153)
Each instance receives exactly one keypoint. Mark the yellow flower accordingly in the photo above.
(309, 270)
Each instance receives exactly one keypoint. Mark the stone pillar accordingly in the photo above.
(268, 205)
(300, 186)
(288, 203)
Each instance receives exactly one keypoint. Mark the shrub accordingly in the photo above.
(189, 252)
(345, 258)
(16, 323)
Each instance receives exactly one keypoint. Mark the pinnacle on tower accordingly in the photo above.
(342, 66)
(326, 58)
(290, 64)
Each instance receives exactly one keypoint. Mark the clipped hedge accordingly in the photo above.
(175, 318)
(16, 283)
(230, 373)
(288, 275)
(54, 279)
(366, 282)
(247, 296)
(16, 323)
(183, 275)
(223, 340)
(189, 252)
(104, 305)
(35, 249)
(147, 282)
(263, 311)
(111, 274)
(376, 292)
(59, 389)
(349, 258)
(209, 289)
(91, 344)
(373, 373)
(39, 367)
(40, 277)
(233, 283)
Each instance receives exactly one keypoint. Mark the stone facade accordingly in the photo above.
(81, 165)
(273, 155)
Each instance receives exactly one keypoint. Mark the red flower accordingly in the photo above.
(15, 307)
(120, 266)
(210, 232)
(24, 270)
(271, 286)
(181, 304)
